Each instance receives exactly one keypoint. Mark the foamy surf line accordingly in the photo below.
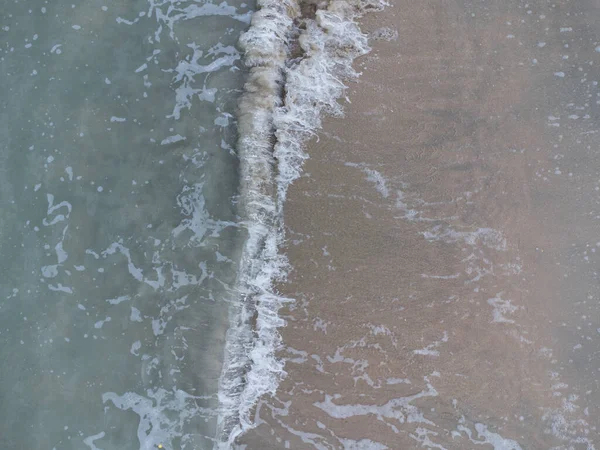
(299, 54)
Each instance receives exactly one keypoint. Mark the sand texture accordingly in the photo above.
(445, 240)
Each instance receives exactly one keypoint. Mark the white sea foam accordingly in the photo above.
(395, 411)
(89, 441)
(430, 350)
(363, 444)
(502, 308)
(374, 177)
(162, 413)
(296, 73)
(485, 436)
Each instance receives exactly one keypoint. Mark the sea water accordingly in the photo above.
(119, 237)
(146, 149)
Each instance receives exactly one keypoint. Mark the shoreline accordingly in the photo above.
(430, 243)
(289, 49)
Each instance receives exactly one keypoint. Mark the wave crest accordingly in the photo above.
(299, 56)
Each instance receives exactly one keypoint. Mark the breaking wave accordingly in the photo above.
(299, 56)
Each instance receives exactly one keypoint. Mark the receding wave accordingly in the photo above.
(299, 55)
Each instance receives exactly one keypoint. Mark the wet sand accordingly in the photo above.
(445, 240)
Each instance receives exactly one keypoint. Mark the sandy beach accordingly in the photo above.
(444, 240)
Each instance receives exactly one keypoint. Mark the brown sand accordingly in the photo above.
(444, 240)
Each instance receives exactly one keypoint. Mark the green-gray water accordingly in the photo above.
(118, 230)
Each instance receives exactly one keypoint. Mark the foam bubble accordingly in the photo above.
(296, 74)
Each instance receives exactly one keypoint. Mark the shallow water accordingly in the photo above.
(444, 237)
(119, 238)
(444, 240)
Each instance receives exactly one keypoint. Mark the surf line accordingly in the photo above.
(299, 55)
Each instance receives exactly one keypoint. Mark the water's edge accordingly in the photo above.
(299, 53)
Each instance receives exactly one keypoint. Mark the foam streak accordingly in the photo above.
(298, 55)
